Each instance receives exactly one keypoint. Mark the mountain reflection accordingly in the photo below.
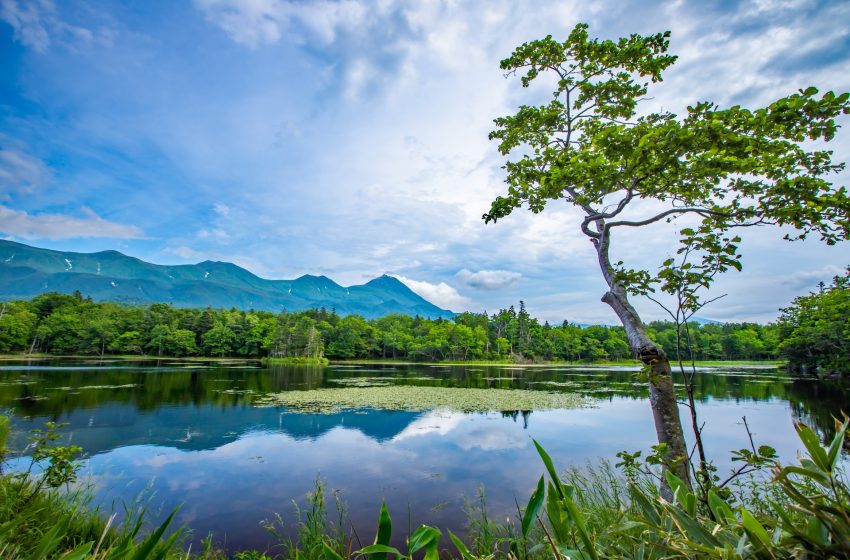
(192, 406)
(189, 433)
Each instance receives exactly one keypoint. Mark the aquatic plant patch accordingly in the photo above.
(418, 398)
(362, 381)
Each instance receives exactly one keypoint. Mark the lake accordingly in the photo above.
(182, 433)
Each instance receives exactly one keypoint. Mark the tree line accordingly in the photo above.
(72, 324)
(815, 329)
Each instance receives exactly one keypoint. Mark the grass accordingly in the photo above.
(415, 398)
(34, 513)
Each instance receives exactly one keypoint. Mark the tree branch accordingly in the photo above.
(701, 211)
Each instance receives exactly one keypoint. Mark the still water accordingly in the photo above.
(187, 434)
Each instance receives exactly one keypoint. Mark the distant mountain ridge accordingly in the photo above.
(27, 271)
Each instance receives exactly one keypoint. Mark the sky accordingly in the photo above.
(350, 138)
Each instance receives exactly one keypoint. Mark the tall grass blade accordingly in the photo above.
(547, 461)
(385, 531)
(533, 507)
(464, 551)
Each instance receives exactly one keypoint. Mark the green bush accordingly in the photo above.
(810, 518)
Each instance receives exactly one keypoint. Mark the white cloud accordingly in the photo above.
(808, 279)
(489, 279)
(37, 25)
(221, 209)
(20, 172)
(439, 422)
(216, 233)
(466, 432)
(62, 226)
(441, 295)
(27, 19)
(259, 22)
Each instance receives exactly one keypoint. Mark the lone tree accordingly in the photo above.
(714, 169)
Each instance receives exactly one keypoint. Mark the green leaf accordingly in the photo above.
(557, 515)
(79, 553)
(423, 537)
(385, 531)
(691, 528)
(550, 467)
(813, 446)
(833, 455)
(330, 553)
(464, 551)
(816, 531)
(721, 510)
(680, 491)
(147, 546)
(376, 550)
(578, 521)
(50, 540)
(533, 507)
(755, 529)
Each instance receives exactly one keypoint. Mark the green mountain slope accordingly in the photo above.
(27, 271)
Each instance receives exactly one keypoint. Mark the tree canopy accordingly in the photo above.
(724, 167)
(815, 329)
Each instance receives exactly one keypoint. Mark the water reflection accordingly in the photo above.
(192, 430)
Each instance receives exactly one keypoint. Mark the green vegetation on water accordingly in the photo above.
(297, 361)
(415, 398)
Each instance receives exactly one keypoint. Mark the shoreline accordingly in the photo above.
(488, 363)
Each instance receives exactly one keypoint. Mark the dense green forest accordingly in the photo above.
(71, 324)
(815, 329)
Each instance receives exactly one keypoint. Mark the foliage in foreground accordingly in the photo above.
(38, 521)
(807, 515)
(601, 515)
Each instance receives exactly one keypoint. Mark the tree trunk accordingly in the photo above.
(662, 393)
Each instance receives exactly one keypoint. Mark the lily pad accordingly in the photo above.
(418, 398)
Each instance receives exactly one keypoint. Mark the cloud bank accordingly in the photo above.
(62, 226)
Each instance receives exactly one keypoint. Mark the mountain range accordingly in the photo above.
(27, 271)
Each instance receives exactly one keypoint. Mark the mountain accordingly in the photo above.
(27, 271)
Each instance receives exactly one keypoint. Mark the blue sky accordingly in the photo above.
(349, 138)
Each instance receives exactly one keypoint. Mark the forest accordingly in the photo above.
(63, 324)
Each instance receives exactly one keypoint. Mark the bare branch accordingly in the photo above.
(673, 211)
